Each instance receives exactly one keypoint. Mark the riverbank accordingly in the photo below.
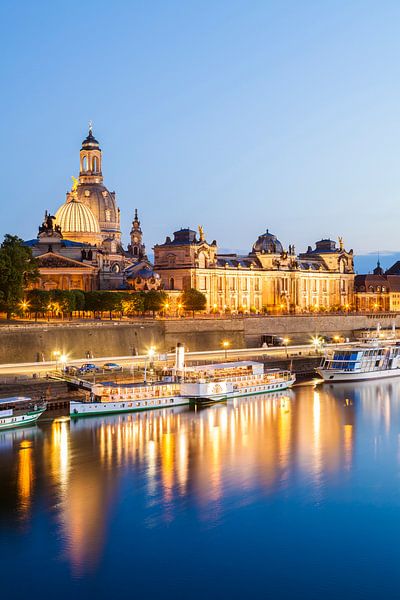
(58, 393)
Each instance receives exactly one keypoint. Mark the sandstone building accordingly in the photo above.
(269, 277)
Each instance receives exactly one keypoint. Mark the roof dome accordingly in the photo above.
(90, 142)
(77, 222)
(267, 243)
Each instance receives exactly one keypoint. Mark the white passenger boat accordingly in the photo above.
(359, 363)
(245, 378)
(19, 411)
(112, 398)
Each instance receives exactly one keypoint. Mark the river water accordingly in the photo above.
(278, 496)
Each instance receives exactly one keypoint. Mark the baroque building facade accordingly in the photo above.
(378, 291)
(80, 246)
(267, 278)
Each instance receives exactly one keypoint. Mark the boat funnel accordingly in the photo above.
(179, 357)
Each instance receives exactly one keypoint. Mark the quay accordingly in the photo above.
(58, 389)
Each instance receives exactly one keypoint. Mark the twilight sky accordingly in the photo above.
(238, 115)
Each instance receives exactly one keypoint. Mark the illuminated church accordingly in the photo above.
(80, 246)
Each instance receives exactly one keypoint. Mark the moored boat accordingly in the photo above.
(246, 378)
(19, 411)
(118, 398)
(359, 363)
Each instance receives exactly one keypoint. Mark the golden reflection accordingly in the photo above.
(25, 476)
(257, 444)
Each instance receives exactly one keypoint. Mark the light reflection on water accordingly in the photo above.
(92, 486)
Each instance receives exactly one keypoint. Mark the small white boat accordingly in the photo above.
(360, 363)
(19, 411)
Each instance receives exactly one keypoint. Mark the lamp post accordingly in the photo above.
(24, 305)
(316, 341)
(225, 345)
(63, 360)
(150, 357)
(56, 355)
(285, 343)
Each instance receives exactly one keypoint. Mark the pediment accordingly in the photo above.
(50, 260)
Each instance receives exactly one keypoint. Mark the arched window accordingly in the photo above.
(171, 284)
(135, 251)
(95, 164)
(85, 163)
(202, 260)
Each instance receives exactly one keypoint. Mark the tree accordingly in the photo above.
(132, 303)
(62, 301)
(38, 301)
(154, 300)
(94, 302)
(193, 300)
(18, 268)
(79, 300)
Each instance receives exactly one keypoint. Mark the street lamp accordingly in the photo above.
(179, 308)
(316, 342)
(225, 345)
(285, 343)
(56, 354)
(150, 355)
(24, 305)
(63, 360)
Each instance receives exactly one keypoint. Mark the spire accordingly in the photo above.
(136, 248)
(378, 269)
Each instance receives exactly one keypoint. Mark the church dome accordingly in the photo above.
(78, 223)
(267, 243)
(102, 204)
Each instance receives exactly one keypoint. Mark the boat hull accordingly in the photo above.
(20, 420)
(252, 390)
(332, 377)
(86, 409)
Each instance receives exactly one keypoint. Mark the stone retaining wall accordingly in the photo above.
(25, 343)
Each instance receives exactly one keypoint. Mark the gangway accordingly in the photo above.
(71, 380)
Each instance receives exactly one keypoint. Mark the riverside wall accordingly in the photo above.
(27, 343)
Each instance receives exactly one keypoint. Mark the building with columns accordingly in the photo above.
(268, 278)
(80, 246)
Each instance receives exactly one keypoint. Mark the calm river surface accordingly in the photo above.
(285, 496)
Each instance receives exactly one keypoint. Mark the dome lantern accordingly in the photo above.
(90, 160)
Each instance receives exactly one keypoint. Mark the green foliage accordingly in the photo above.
(154, 300)
(193, 300)
(62, 302)
(79, 300)
(38, 301)
(17, 269)
(133, 303)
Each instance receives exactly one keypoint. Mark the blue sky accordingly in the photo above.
(238, 115)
